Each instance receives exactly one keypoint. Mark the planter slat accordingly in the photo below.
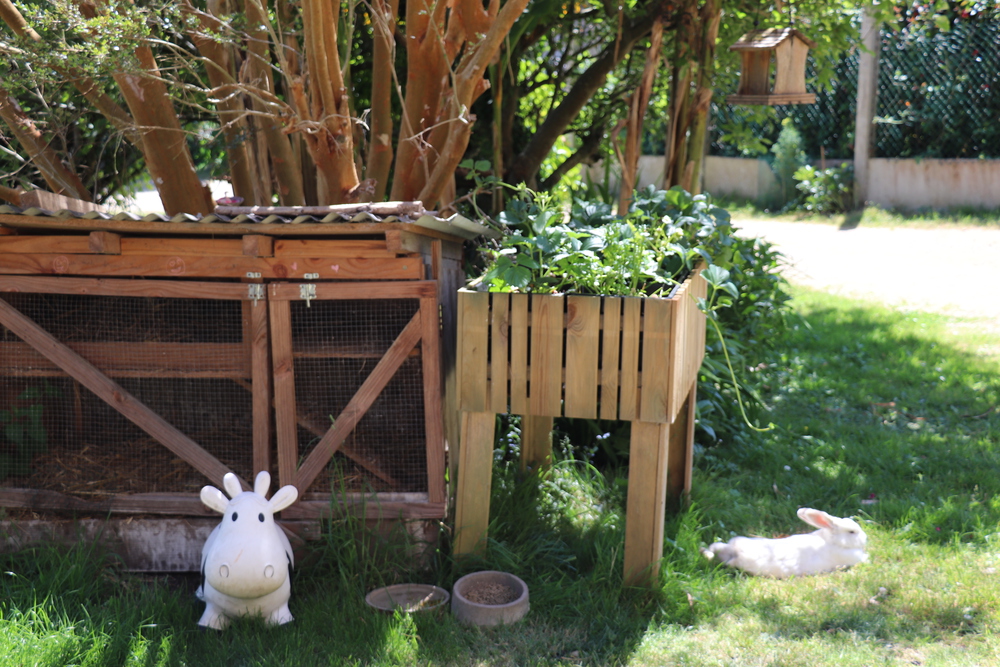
(499, 347)
(610, 354)
(545, 390)
(629, 392)
(518, 354)
(657, 361)
(583, 335)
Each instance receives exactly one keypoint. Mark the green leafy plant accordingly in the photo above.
(590, 250)
(23, 433)
(826, 190)
(788, 158)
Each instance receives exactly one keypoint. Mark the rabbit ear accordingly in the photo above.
(262, 484)
(284, 497)
(232, 484)
(816, 517)
(214, 499)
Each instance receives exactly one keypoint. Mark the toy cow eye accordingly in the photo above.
(261, 517)
(235, 514)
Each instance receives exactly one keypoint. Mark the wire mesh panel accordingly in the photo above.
(106, 393)
(939, 95)
(355, 389)
(336, 344)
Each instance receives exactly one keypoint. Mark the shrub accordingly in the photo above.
(826, 190)
(788, 158)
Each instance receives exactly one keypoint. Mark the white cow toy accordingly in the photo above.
(247, 559)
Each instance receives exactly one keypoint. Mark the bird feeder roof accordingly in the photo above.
(769, 38)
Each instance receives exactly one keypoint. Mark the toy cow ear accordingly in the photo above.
(262, 484)
(815, 517)
(232, 484)
(214, 499)
(284, 497)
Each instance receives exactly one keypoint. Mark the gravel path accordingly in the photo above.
(952, 271)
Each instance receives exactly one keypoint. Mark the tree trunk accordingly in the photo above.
(694, 65)
(221, 72)
(638, 101)
(327, 127)
(284, 166)
(436, 122)
(709, 19)
(385, 14)
(164, 143)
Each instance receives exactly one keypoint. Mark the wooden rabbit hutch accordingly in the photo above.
(143, 359)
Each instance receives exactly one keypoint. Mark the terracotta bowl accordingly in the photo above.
(489, 598)
(408, 598)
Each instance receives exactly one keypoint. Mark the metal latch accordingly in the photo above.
(307, 292)
(255, 292)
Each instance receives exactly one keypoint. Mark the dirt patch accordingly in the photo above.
(950, 271)
(490, 593)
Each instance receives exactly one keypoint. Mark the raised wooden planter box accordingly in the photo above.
(166, 354)
(590, 357)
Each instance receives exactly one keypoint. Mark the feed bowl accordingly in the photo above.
(408, 598)
(489, 598)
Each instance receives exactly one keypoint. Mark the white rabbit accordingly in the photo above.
(838, 543)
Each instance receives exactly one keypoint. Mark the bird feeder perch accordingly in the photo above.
(790, 48)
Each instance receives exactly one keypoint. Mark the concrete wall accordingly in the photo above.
(739, 178)
(901, 184)
(937, 184)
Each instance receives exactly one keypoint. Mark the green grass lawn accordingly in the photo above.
(889, 417)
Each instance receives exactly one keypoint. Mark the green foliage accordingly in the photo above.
(23, 434)
(590, 250)
(751, 327)
(826, 190)
(788, 158)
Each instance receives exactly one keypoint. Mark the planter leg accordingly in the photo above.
(680, 456)
(475, 475)
(646, 503)
(536, 442)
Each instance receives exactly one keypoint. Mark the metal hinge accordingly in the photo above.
(441, 317)
(307, 292)
(255, 292)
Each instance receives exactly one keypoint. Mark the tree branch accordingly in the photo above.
(524, 168)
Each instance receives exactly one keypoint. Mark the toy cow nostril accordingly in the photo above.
(224, 571)
(269, 571)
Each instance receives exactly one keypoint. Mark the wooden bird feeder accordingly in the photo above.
(790, 48)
